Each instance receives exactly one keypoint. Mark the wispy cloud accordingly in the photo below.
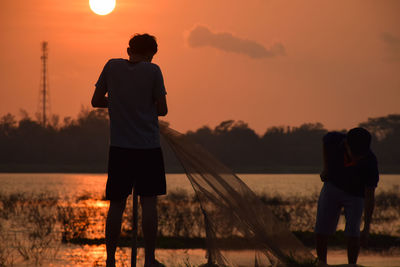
(390, 39)
(201, 36)
(392, 44)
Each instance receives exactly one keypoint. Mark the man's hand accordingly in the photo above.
(369, 203)
(364, 238)
(161, 104)
(99, 100)
(324, 175)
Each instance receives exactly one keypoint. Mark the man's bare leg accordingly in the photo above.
(322, 248)
(113, 229)
(149, 227)
(353, 248)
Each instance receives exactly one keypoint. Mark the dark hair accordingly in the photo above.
(359, 141)
(143, 44)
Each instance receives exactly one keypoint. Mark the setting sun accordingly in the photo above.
(102, 7)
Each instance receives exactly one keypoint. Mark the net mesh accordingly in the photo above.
(234, 217)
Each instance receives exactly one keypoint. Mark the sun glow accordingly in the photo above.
(102, 7)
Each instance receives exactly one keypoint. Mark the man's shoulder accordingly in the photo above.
(116, 59)
(371, 159)
(150, 65)
(125, 62)
(113, 61)
(368, 166)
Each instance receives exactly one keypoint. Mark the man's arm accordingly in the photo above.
(161, 104)
(324, 173)
(369, 204)
(99, 99)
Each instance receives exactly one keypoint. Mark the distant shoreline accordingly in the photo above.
(58, 168)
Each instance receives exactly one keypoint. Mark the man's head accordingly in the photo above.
(358, 141)
(142, 46)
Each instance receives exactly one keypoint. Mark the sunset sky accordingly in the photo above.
(266, 62)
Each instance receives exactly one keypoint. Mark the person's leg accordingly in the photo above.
(150, 183)
(113, 229)
(353, 248)
(353, 209)
(328, 212)
(322, 247)
(118, 187)
(149, 227)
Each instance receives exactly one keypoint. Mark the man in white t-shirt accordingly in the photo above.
(134, 93)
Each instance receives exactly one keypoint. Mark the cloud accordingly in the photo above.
(201, 36)
(392, 44)
(390, 39)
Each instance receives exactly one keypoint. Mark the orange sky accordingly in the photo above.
(339, 61)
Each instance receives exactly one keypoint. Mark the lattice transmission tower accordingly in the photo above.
(44, 101)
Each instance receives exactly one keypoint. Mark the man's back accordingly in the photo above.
(136, 97)
(362, 174)
(132, 89)
(354, 177)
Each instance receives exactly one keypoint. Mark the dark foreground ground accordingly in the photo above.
(171, 168)
(377, 242)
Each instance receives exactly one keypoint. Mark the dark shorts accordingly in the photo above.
(142, 169)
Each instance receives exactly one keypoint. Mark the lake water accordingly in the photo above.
(69, 185)
(72, 185)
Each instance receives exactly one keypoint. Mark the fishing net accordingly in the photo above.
(234, 217)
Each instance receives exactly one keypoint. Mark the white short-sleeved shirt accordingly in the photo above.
(132, 89)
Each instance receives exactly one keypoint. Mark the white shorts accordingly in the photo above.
(330, 203)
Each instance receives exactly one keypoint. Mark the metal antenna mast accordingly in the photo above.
(44, 84)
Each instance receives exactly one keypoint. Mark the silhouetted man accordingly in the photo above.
(350, 177)
(135, 98)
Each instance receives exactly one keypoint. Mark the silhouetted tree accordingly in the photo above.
(81, 144)
(295, 146)
(232, 142)
(386, 132)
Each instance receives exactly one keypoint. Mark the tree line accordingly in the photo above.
(81, 145)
